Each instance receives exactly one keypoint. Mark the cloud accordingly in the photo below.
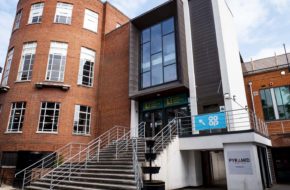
(248, 16)
(280, 5)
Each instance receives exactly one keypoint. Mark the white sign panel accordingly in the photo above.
(239, 162)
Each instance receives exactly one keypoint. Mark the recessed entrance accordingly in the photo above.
(159, 112)
(213, 169)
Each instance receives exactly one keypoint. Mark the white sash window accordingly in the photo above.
(56, 61)
(36, 12)
(91, 20)
(7, 68)
(27, 61)
(86, 70)
(63, 13)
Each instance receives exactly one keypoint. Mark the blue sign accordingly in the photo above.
(210, 121)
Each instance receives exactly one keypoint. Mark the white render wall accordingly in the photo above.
(134, 118)
(179, 168)
(229, 56)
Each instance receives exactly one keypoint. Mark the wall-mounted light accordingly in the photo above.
(283, 73)
(250, 83)
(227, 96)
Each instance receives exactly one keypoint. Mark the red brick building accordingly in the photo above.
(267, 84)
(50, 87)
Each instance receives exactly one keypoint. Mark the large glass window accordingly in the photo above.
(49, 115)
(63, 13)
(82, 120)
(7, 68)
(91, 20)
(276, 103)
(56, 61)
(16, 117)
(158, 54)
(36, 12)
(27, 61)
(86, 70)
(17, 20)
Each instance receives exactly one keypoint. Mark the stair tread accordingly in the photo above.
(89, 183)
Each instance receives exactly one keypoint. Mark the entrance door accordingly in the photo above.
(154, 122)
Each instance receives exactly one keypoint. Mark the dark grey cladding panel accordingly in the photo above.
(134, 60)
(169, 9)
(181, 45)
(206, 58)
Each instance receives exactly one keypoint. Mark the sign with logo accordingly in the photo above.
(176, 100)
(210, 121)
(239, 162)
(152, 105)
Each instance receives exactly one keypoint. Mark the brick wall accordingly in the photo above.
(114, 103)
(265, 80)
(44, 33)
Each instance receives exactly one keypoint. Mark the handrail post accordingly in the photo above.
(57, 160)
(99, 145)
(162, 139)
(79, 152)
(170, 133)
(51, 180)
(23, 181)
(42, 168)
(116, 149)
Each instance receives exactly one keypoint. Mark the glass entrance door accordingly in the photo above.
(154, 122)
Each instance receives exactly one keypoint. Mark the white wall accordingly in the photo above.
(230, 64)
(179, 168)
(134, 118)
(244, 182)
(190, 59)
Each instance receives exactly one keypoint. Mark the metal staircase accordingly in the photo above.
(112, 161)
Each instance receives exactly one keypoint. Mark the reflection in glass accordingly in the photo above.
(158, 54)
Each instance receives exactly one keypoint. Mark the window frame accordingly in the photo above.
(273, 97)
(163, 35)
(81, 66)
(27, 47)
(87, 12)
(45, 116)
(60, 52)
(39, 17)
(12, 114)
(17, 20)
(88, 119)
(6, 71)
(61, 9)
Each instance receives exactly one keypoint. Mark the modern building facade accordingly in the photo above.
(267, 83)
(77, 68)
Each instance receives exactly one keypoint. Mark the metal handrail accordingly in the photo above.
(235, 120)
(166, 134)
(65, 154)
(136, 165)
(81, 159)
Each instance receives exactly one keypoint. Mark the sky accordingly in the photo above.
(262, 26)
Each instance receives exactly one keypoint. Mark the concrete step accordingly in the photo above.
(91, 180)
(64, 184)
(95, 170)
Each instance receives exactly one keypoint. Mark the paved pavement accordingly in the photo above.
(275, 187)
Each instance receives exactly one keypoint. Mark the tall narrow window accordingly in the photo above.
(16, 117)
(7, 68)
(91, 20)
(158, 54)
(82, 120)
(27, 61)
(56, 61)
(17, 20)
(36, 12)
(63, 13)
(86, 70)
(49, 115)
